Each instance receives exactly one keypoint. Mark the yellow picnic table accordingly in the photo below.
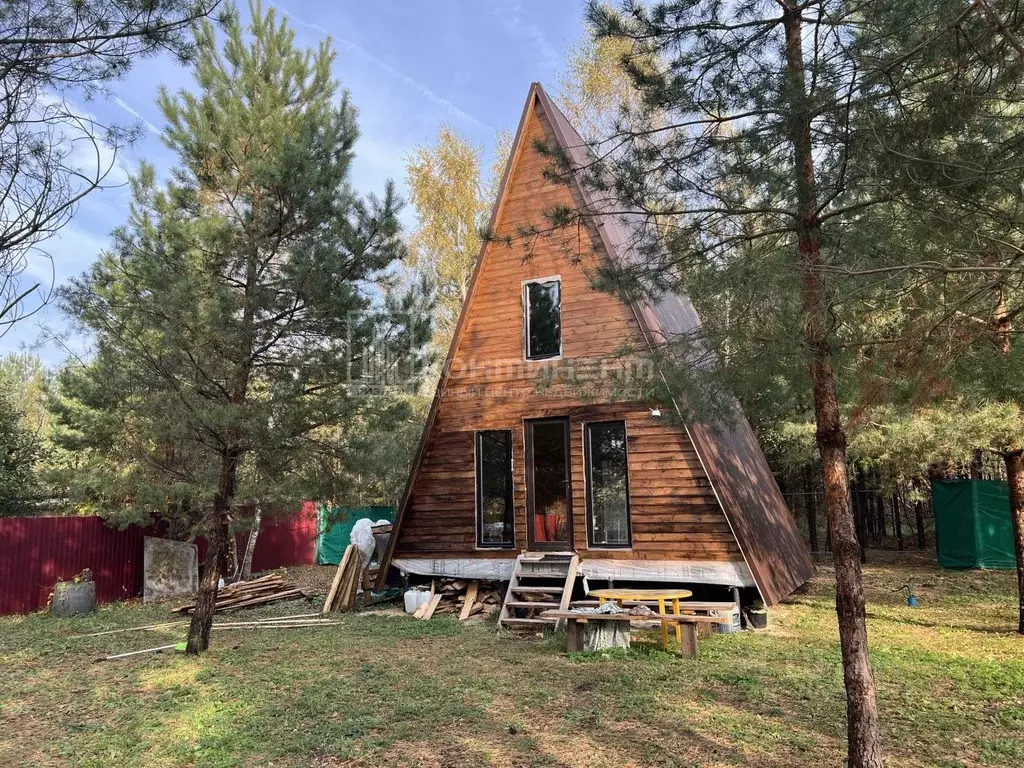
(649, 595)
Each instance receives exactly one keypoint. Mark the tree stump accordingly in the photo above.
(599, 635)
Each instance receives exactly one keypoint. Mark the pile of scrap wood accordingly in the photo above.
(342, 596)
(247, 594)
(467, 598)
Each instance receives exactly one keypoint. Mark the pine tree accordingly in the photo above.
(749, 170)
(52, 54)
(235, 315)
(20, 451)
(953, 156)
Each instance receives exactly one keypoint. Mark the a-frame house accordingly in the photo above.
(511, 463)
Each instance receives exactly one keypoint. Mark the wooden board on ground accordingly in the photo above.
(346, 581)
(348, 599)
(431, 607)
(244, 594)
(333, 592)
(471, 594)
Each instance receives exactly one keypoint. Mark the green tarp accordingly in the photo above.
(972, 524)
(335, 526)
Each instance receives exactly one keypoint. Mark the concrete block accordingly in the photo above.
(169, 568)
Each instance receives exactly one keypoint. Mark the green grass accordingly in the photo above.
(386, 690)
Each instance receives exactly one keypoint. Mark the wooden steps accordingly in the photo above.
(520, 610)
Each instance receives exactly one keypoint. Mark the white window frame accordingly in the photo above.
(526, 318)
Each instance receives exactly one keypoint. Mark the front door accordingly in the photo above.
(548, 484)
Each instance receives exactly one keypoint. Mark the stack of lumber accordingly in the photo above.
(247, 594)
(467, 598)
(342, 596)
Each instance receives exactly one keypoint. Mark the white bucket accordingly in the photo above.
(733, 616)
(414, 598)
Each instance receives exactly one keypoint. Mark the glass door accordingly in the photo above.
(548, 484)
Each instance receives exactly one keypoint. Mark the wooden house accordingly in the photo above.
(514, 463)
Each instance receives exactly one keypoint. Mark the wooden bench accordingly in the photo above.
(695, 606)
(686, 623)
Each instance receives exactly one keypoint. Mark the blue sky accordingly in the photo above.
(409, 66)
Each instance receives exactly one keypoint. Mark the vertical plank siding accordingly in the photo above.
(675, 514)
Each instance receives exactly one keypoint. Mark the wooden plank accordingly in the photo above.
(333, 591)
(431, 607)
(570, 582)
(471, 594)
(348, 599)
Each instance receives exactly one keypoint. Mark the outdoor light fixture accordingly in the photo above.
(655, 413)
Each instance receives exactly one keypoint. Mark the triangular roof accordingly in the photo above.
(732, 458)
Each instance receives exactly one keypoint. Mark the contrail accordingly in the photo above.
(412, 83)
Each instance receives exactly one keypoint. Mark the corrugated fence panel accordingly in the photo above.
(286, 542)
(281, 543)
(37, 551)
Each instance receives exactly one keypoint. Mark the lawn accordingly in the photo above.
(387, 690)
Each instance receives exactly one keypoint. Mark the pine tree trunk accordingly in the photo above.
(860, 513)
(977, 468)
(1015, 478)
(812, 507)
(202, 616)
(1014, 460)
(199, 627)
(919, 520)
(880, 527)
(897, 522)
(870, 514)
(250, 546)
(863, 743)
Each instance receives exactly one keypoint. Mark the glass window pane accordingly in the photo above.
(494, 488)
(545, 319)
(550, 482)
(608, 486)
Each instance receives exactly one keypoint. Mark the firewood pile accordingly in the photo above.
(248, 594)
(462, 596)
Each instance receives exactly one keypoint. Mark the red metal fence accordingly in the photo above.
(37, 551)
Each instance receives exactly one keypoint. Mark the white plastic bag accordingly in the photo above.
(362, 537)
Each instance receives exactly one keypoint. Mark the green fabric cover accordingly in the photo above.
(335, 525)
(972, 524)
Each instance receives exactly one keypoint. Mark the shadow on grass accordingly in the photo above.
(1005, 632)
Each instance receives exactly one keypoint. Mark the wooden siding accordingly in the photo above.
(763, 524)
(675, 514)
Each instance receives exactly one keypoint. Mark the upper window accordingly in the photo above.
(495, 511)
(607, 484)
(543, 313)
